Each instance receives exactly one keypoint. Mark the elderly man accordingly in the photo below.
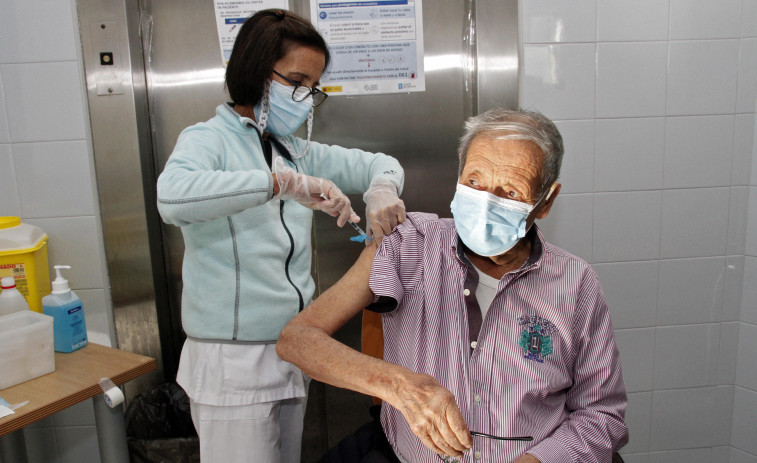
(498, 345)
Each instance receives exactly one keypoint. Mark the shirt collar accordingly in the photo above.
(534, 236)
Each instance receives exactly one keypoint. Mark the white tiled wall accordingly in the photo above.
(656, 101)
(47, 179)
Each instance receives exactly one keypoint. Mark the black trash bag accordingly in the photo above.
(159, 414)
(175, 450)
(367, 444)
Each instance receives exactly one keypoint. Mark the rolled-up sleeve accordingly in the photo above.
(384, 280)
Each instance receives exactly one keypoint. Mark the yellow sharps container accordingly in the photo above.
(23, 255)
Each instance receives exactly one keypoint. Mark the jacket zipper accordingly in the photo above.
(282, 151)
(238, 278)
(289, 257)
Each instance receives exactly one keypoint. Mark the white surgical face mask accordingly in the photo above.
(286, 115)
(487, 224)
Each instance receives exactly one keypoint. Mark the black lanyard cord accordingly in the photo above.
(265, 141)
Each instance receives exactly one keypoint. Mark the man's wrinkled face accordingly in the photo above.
(506, 168)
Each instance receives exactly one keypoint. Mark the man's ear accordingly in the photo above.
(543, 209)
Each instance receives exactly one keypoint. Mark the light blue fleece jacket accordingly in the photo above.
(247, 258)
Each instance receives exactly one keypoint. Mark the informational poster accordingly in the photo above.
(376, 46)
(230, 14)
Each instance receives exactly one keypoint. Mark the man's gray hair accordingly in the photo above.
(502, 123)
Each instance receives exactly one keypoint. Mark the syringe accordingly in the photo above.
(363, 235)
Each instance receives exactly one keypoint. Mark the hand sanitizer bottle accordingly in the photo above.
(65, 307)
(11, 300)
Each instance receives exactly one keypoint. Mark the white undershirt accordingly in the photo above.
(485, 291)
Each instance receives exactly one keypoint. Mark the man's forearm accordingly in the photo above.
(327, 360)
(430, 409)
(306, 340)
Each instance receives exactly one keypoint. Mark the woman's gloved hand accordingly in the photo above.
(383, 208)
(312, 192)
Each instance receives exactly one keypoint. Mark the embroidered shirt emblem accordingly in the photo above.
(536, 339)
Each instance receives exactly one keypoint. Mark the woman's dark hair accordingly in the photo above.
(265, 38)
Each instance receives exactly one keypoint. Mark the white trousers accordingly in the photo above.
(268, 432)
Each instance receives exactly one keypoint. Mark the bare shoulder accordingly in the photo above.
(344, 299)
(367, 255)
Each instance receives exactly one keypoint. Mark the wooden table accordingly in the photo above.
(75, 379)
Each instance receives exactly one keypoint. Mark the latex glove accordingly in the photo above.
(313, 192)
(384, 210)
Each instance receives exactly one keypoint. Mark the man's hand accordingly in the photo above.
(433, 415)
(527, 458)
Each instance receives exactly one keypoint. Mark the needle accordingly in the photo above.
(363, 235)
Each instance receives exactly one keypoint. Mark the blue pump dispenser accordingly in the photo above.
(69, 328)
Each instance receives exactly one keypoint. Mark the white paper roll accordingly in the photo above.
(114, 397)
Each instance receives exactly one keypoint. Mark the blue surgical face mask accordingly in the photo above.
(487, 224)
(285, 115)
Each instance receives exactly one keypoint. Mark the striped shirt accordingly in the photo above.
(542, 363)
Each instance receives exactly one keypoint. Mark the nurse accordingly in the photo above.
(243, 190)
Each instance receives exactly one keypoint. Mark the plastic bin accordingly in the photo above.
(23, 255)
(26, 347)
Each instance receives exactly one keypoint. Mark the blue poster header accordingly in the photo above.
(358, 4)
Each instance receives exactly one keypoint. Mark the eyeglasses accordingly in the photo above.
(301, 92)
(489, 436)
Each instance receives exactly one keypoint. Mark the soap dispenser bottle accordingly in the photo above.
(69, 329)
(11, 300)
